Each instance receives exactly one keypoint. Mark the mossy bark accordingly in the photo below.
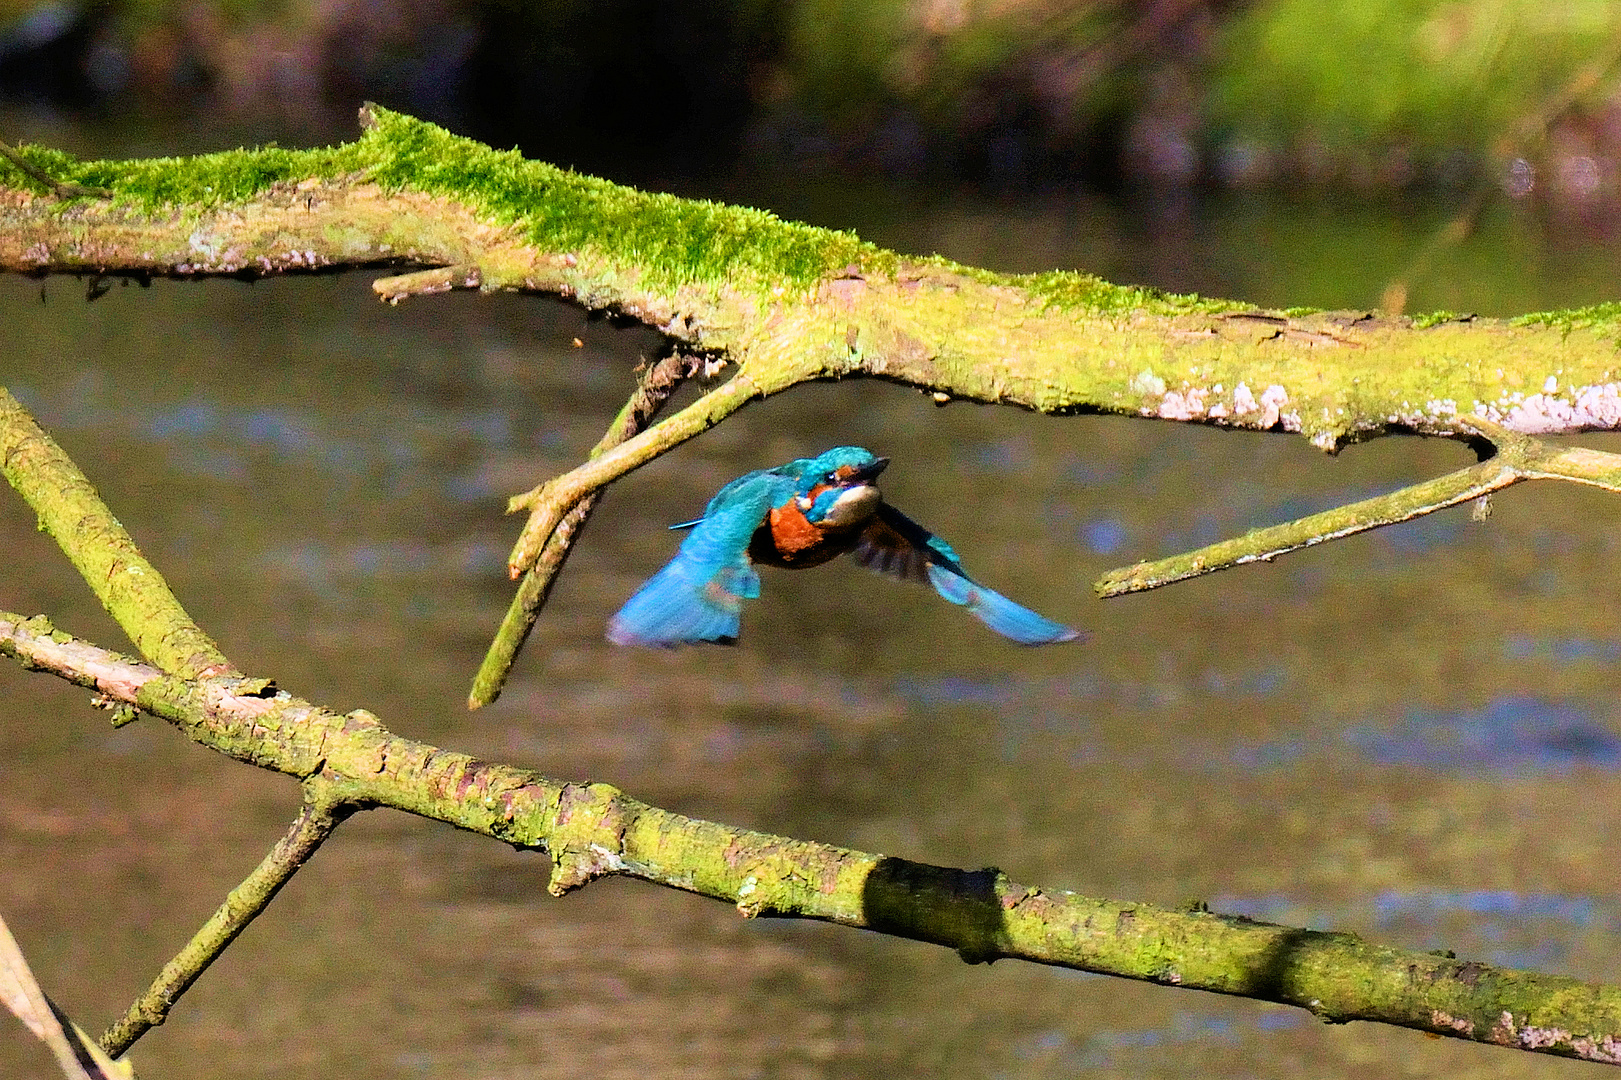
(594, 830)
(786, 303)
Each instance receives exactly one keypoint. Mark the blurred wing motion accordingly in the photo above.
(685, 602)
(894, 544)
(699, 594)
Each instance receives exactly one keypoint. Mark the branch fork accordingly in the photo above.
(1513, 457)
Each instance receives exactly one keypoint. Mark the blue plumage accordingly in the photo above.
(803, 514)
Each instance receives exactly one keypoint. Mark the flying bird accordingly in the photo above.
(799, 515)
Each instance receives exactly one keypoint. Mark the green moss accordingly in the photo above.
(670, 241)
(196, 183)
(1071, 290)
(1603, 317)
(685, 240)
(673, 240)
(1432, 318)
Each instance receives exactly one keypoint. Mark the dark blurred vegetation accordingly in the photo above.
(1374, 96)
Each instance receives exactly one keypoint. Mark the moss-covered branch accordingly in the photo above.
(317, 818)
(129, 587)
(786, 302)
(593, 830)
(653, 389)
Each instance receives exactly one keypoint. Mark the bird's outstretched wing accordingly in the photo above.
(699, 594)
(894, 544)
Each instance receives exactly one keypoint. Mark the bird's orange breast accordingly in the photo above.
(787, 538)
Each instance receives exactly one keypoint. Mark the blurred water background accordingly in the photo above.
(1413, 734)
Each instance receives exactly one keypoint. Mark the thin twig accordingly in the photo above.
(76, 1053)
(1518, 457)
(317, 818)
(654, 388)
(549, 503)
(1529, 130)
(1458, 228)
(1264, 545)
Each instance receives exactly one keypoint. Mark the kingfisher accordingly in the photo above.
(799, 515)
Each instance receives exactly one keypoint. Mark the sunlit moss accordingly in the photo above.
(668, 240)
(1080, 291)
(1604, 318)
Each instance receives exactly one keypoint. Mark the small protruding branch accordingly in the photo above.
(425, 282)
(550, 502)
(129, 587)
(321, 813)
(1264, 545)
(657, 383)
(62, 189)
(1518, 457)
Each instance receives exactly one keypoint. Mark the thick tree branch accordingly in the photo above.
(593, 830)
(727, 281)
(785, 304)
(129, 587)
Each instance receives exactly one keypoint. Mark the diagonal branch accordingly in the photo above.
(653, 389)
(1526, 132)
(317, 818)
(595, 830)
(1518, 457)
(550, 502)
(76, 1053)
(129, 587)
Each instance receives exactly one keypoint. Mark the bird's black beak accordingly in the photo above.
(869, 471)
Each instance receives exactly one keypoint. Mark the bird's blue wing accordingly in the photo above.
(699, 594)
(895, 544)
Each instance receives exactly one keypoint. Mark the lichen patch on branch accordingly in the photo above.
(1594, 407)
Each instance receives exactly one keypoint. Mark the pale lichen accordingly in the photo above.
(1595, 407)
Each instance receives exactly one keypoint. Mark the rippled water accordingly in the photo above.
(1413, 734)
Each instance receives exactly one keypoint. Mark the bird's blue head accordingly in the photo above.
(842, 466)
(836, 488)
